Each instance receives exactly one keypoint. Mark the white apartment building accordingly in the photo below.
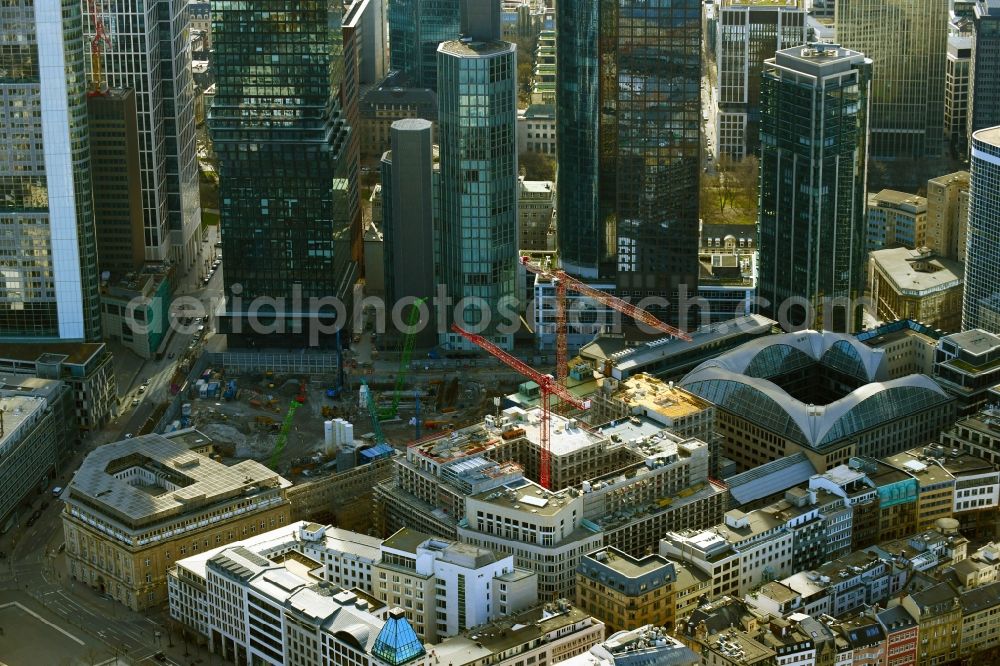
(263, 602)
(446, 587)
(746, 550)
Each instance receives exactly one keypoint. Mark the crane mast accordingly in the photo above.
(547, 385)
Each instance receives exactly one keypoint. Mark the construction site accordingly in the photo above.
(312, 424)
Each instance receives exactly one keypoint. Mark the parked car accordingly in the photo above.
(57, 491)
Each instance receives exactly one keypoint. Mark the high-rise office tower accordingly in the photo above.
(114, 167)
(813, 132)
(749, 34)
(477, 116)
(907, 41)
(956, 94)
(628, 136)
(48, 251)
(148, 50)
(373, 57)
(981, 300)
(985, 70)
(408, 226)
(287, 169)
(416, 28)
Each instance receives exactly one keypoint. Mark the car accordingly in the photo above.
(34, 517)
(160, 657)
(170, 355)
(128, 435)
(135, 402)
(57, 491)
(142, 389)
(207, 280)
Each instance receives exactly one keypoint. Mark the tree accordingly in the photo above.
(537, 166)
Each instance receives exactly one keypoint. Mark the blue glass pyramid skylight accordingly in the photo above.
(397, 643)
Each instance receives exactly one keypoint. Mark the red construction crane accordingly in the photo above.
(562, 282)
(547, 385)
(100, 37)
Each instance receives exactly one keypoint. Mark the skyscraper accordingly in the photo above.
(148, 50)
(48, 254)
(114, 164)
(416, 28)
(408, 226)
(985, 70)
(907, 41)
(628, 137)
(748, 34)
(813, 132)
(288, 174)
(477, 116)
(956, 94)
(981, 304)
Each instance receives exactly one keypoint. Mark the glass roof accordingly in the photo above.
(777, 360)
(397, 643)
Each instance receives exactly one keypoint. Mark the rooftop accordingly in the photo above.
(916, 272)
(628, 566)
(897, 198)
(470, 49)
(74, 352)
(990, 135)
(508, 632)
(20, 413)
(655, 396)
(151, 478)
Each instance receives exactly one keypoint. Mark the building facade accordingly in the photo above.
(149, 50)
(957, 94)
(628, 131)
(981, 306)
(536, 200)
(896, 219)
(948, 214)
(416, 28)
(907, 43)
(87, 367)
(50, 282)
(984, 91)
(409, 228)
(136, 507)
(812, 197)
(289, 200)
(114, 163)
(916, 284)
(747, 35)
(477, 95)
(38, 436)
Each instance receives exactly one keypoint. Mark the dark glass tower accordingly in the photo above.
(813, 135)
(985, 70)
(288, 178)
(628, 131)
(416, 27)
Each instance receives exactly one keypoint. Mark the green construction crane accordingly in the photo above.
(373, 413)
(286, 425)
(404, 361)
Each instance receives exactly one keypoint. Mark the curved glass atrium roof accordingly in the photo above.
(740, 382)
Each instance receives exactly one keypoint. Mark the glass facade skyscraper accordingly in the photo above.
(981, 304)
(288, 165)
(813, 159)
(984, 73)
(416, 28)
(48, 248)
(748, 34)
(477, 116)
(150, 52)
(628, 112)
(907, 41)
